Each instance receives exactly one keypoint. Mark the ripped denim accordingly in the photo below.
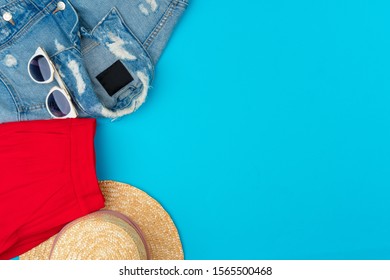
(104, 50)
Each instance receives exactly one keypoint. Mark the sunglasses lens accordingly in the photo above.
(40, 68)
(58, 104)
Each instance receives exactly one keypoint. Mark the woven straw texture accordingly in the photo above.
(104, 237)
(98, 236)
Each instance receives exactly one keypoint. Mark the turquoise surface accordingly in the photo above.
(266, 133)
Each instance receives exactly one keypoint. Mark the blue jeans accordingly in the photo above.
(105, 51)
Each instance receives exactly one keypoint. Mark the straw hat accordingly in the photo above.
(132, 226)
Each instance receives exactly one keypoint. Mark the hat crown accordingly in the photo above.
(105, 235)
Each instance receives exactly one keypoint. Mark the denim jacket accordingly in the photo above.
(104, 50)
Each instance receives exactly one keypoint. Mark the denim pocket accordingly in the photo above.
(15, 17)
(108, 44)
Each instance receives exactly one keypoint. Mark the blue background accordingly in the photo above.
(266, 132)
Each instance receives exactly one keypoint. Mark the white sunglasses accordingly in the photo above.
(58, 100)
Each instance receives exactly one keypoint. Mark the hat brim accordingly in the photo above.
(159, 231)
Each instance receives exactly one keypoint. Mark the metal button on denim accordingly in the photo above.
(60, 7)
(8, 17)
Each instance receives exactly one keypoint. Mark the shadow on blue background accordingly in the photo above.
(266, 132)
